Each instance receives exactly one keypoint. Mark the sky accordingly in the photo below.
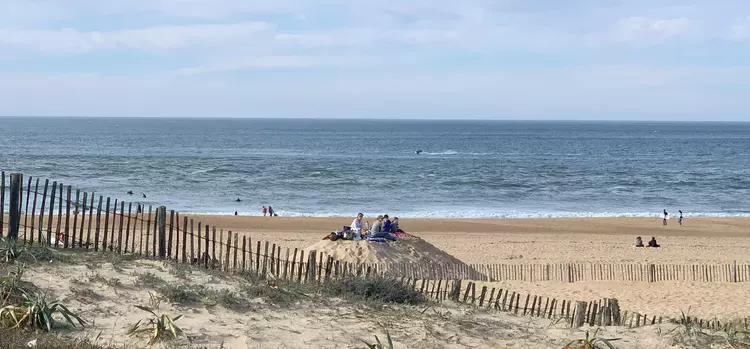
(469, 59)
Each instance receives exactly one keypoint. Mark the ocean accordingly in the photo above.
(467, 169)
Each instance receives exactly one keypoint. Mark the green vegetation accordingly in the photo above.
(374, 289)
(35, 312)
(592, 342)
(12, 251)
(159, 327)
(378, 344)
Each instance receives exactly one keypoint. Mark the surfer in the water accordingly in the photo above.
(238, 200)
(418, 151)
(130, 192)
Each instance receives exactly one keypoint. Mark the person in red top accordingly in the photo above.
(265, 210)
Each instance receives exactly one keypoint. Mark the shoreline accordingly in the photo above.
(635, 226)
(605, 226)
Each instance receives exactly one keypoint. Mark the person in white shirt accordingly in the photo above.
(358, 225)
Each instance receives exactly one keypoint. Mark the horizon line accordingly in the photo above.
(365, 119)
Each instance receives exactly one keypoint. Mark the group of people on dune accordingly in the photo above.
(381, 230)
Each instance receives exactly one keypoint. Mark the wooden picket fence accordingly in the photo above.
(60, 217)
(601, 312)
(576, 272)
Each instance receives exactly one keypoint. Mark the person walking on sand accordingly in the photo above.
(270, 211)
(666, 216)
(264, 210)
(679, 220)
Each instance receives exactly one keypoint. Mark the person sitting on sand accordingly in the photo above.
(386, 224)
(377, 227)
(638, 242)
(394, 226)
(358, 225)
(653, 243)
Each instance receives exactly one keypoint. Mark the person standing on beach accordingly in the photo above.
(270, 211)
(666, 215)
(679, 220)
(265, 210)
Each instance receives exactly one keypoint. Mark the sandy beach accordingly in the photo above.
(490, 241)
(527, 241)
(521, 241)
(485, 241)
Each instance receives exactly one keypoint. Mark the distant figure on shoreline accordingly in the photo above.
(653, 243)
(666, 216)
(638, 242)
(264, 210)
(679, 220)
(270, 211)
(235, 212)
(138, 209)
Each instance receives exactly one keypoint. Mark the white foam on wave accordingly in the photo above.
(453, 152)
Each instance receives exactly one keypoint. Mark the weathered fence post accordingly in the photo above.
(580, 316)
(311, 265)
(651, 273)
(614, 308)
(161, 217)
(456, 291)
(14, 214)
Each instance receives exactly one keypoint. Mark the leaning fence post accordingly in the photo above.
(614, 308)
(456, 291)
(14, 214)
(580, 316)
(161, 217)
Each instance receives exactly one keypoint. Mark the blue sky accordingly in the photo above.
(503, 59)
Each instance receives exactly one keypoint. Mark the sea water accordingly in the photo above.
(467, 169)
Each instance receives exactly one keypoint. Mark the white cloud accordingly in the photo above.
(740, 31)
(155, 38)
(640, 28)
(276, 62)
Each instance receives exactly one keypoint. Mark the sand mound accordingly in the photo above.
(409, 249)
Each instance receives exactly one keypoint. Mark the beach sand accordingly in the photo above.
(526, 241)
(487, 241)
(105, 295)
(521, 241)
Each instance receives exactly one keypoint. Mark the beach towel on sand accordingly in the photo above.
(372, 239)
